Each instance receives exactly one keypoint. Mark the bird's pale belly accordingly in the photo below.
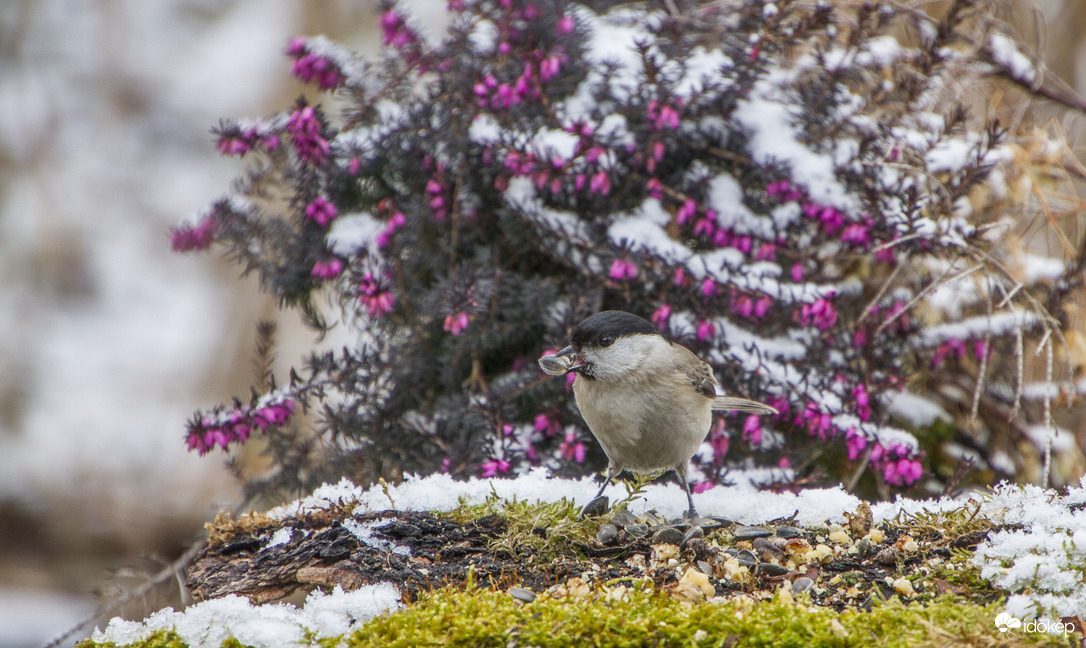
(639, 432)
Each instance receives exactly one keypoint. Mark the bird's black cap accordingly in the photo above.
(610, 323)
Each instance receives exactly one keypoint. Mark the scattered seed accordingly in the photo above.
(751, 532)
(788, 532)
(668, 535)
(522, 594)
(607, 533)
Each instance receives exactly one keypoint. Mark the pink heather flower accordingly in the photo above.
(507, 430)
(706, 330)
(761, 307)
(194, 237)
(752, 430)
(550, 66)
(898, 313)
(661, 315)
(953, 346)
(579, 181)
(593, 154)
(903, 472)
(235, 143)
(565, 25)
(780, 403)
(455, 323)
(395, 30)
(708, 287)
(600, 183)
(777, 187)
(856, 234)
(686, 212)
(885, 255)
(275, 414)
(622, 269)
(797, 272)
(377, 299)
(311, 67)
(742, 243)
(235, 426)
(859, 338)
(719, 440)
(305, 135)
(704, 227)
(784, 189)
(570, 377)
(354, 166)
(572, 449)
(658, 150)
(863, 404)
(680, 277)
(766, 252)
(321, 210)
(494, 467)
(856, 442)
(655, 188)
(980, 349)
(743, 307)
(701, 487)
(394, 223)
(296, 46)
(668, 117)
(545, 424)
(821, 313)
(819, 424)
(327, 269)
(910, 470)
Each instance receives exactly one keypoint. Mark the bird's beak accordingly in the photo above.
(578, 361)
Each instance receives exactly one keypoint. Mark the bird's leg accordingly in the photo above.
(680, 475)
(611, 472)
(599, 503)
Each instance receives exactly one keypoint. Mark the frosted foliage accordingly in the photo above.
(789, 208)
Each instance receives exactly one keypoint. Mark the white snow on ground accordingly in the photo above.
(209, 623)
(1041, 565)
(742, 502)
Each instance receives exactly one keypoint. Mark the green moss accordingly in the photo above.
(160, 639)
(540, 532)
(629, 617)
(639, 617)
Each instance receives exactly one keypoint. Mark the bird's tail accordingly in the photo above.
(732, 404)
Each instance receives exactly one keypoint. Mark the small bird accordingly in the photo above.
(648, 401)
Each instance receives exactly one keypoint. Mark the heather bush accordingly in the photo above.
(796, 191)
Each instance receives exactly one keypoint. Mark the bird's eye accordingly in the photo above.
(606, 341)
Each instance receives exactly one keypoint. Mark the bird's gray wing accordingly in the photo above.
(702, 380)
(697, 373)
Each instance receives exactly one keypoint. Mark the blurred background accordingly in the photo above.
(108, 341)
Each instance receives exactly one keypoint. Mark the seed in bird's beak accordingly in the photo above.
(576, 361)
(555, 365)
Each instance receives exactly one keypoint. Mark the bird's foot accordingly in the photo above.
(598, 506)
(691, 514)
